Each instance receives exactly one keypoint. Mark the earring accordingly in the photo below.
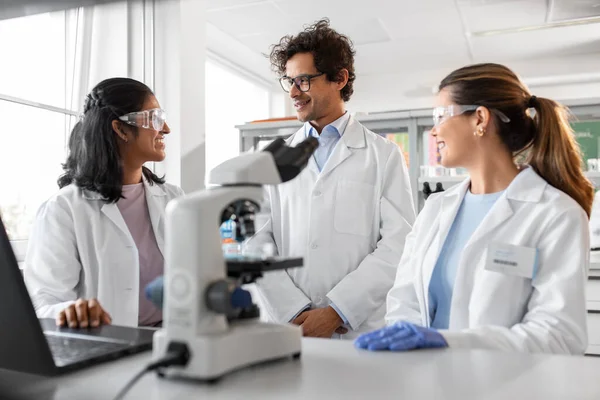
(479, 132)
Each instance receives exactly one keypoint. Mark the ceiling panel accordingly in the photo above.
(501, 14)
(447, 22)
(248, 19)
(535, 44)
(572, 9)
(407, 55)
(212, 5)
(415, 43)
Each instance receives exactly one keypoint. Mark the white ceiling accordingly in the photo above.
(420, 39)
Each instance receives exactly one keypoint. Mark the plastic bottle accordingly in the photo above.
(231, 248)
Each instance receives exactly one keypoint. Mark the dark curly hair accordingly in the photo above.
(332, 52)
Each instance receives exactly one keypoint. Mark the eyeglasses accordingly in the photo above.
(154, 118)
(441, 114)
(302, 82)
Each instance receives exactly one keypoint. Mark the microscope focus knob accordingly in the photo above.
(241, 298)
(224, 297)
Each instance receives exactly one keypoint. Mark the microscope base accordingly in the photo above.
(246, 343)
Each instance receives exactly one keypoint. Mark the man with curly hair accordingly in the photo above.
(347, 214)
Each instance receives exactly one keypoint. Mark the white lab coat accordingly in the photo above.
(348, 222)
(80, 247)
(495, 310)
(595, 222)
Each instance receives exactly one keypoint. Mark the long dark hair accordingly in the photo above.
(94, 162)
(331, 51)
(547, 140)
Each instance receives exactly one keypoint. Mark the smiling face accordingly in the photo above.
(143, 144)
(454, 135)
(322, 99)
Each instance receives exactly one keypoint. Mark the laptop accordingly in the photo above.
(38, 346)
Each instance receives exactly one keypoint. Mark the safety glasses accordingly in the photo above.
(154, 118)
(442, 114)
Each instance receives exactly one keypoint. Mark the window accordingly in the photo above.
(33, 98)
(230, 100)
(50, 62)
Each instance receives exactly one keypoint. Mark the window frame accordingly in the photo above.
(81, 59)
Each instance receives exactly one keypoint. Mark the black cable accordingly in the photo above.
(177, 354)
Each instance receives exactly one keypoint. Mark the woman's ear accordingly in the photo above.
(118, 129)
(483, 117)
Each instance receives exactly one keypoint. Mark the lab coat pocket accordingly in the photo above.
(354, 208)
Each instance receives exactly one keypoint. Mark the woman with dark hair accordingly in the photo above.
(97, 242)
(499, 261)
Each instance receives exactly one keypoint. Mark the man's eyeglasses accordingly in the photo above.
(302, 82)
(154, 118)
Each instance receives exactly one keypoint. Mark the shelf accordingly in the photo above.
(592, 174)
(413, 122)
(442, 179)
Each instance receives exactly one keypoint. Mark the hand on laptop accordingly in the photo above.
(83, 313)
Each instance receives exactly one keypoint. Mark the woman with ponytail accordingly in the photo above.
(499, 261)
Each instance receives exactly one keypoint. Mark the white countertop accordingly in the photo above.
(336, 370)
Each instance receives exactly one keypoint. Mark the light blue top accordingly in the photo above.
(328, 138)
(470, 214)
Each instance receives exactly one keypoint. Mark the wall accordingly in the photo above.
(546, 78)
(180, 38)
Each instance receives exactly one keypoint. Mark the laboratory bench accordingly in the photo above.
(330, 369)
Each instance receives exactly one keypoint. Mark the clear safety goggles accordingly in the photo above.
(154, 118)
(441, 114)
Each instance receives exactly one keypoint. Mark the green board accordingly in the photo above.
(587, 135)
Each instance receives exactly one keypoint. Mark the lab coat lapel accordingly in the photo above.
(353, 137)
(112, 212)
(500, 212)
(295, 140)
(449, 208)
(155, 197)
(312, 166)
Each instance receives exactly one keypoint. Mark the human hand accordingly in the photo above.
(400, 337)
(82, 314)
(320, 322)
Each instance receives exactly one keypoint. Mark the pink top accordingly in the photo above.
(134, 210)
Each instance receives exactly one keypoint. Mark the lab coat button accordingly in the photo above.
(313, 246)
(317, 193)
(318, 299)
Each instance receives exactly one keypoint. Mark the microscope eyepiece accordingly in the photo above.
(291, 160)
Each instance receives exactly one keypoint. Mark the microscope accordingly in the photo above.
(206, 310)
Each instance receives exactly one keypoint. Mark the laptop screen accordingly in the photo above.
(22, 342)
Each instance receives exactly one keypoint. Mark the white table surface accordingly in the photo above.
(336, 370)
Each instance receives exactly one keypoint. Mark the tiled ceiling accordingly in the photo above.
(420, 38)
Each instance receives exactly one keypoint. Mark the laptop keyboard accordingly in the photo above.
(67, 350)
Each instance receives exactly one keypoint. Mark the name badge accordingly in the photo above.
(512, 260)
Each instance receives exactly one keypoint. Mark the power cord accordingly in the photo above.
(177, 354)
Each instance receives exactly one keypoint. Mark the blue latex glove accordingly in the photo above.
(154, 291)
(400, 337)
